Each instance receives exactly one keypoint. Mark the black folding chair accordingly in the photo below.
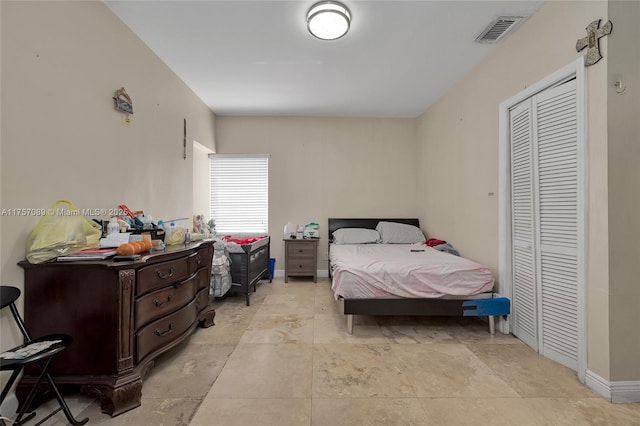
(40, 351)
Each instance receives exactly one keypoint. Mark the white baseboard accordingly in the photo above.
(616, 392)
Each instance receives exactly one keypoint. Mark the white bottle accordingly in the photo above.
(113, 227)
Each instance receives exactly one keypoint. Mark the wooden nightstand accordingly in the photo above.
(301, 258)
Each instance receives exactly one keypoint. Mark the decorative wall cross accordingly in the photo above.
(592, 41)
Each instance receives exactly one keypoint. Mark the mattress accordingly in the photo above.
(364, 271)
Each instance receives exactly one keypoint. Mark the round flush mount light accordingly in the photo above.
(328, 20)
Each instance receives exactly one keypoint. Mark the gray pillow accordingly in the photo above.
(399, 233)
(355, 236)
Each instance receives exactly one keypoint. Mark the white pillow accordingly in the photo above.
(355, 236)
(399, 233)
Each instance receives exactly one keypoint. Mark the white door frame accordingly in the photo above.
(577, 69)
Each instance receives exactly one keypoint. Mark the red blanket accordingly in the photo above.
(431, 242)
(241, 241)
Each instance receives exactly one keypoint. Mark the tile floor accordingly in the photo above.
(287, 360)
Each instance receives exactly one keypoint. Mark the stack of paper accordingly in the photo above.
(88, 254)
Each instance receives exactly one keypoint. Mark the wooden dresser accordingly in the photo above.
(301, 258)
(121, 316)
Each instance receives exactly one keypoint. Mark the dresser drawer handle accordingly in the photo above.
(160, 304)
(300, 266)
(164, 333)
(198, 260)
(165, 276)
(300, 250)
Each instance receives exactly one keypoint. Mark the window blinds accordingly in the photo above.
(239, 193)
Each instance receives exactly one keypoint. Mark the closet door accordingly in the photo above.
(545, 223)
(557, 238)
(525, 313)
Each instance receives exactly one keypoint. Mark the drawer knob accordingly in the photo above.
(299, 250)
(198, 260)
(165, 276)
(161, 333)
(160, 304)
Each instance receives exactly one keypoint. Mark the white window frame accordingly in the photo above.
(239, 201)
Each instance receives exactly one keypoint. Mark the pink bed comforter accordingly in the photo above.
(393, 270)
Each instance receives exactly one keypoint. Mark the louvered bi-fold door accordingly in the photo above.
(525, 311)
(556, 137)
(545, 235)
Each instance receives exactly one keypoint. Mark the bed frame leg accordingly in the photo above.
(350, 324)
(492, 324)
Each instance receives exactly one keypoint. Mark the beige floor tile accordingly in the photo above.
(450, 370)
(359, 370)
(254, 412)
(278, 286)
(368, 411)
(476, 330)
(332, 328)
(296, 302)
(482, 412)
(586, 411)
(325, 303)
(529, 373)
(266, 371)
(152, 412)
(404, 330)
(282, 328)
(187, 372)
(231, 321)
(80, 406)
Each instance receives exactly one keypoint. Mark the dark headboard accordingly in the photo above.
(335, 224)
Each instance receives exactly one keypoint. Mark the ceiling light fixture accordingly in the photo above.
(328, 20)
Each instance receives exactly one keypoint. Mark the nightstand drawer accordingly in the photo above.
(301, 264)
(302, 249)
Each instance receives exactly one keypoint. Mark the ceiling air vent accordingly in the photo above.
(499, 28)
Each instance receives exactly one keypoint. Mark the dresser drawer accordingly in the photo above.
(162, 332)
(203, 278)
(162, 274)
(199, 259)
(164, 301)
(306, 249)
(202, 299)
(300, 264)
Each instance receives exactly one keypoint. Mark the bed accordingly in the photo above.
(249, 264)
(406, 279)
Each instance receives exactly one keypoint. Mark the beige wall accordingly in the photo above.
(327, 167)
(201, 179)
(624, 176)
(62, 138)
(458, 149)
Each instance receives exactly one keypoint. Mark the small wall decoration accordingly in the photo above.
(592, 41)
(123, 102)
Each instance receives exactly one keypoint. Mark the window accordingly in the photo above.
(239, 193)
